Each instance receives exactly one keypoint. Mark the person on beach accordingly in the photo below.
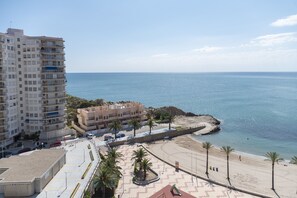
(239, 157)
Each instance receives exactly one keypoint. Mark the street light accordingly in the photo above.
(65, 186)
(66, 179)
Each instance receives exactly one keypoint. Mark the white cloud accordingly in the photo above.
(160, 55)
(207, 49)
(244, 59)
(274, 39)
(288, 21)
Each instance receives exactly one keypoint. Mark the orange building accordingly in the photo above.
(99, 117)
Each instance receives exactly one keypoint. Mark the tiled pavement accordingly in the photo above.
(188, 183)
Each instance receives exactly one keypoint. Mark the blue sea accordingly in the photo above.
(258, 110)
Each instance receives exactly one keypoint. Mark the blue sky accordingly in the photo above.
(164, 36)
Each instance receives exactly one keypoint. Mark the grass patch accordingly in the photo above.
(75, 190)
(91, 155)
(86, 171)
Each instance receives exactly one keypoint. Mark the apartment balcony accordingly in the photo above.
(48, 104)
(54, 97)
(53, 114)
(48, 90)
(53, 69)
(50, 79)
(2, 115)
(52, 45)
(49, 123)
(3, 129)
(2, 92)
(3, 122)
(51, 83)
(50, 109)
(52, 57)
(50, 52)
(2, 107)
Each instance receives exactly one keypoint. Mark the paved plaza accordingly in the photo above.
(190, 184)
(77, 161)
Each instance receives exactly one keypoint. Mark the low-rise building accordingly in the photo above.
(28, 173)
(100, 117)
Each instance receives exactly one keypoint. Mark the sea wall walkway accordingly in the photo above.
(156, 136)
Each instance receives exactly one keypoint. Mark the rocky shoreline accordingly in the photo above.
(189, 119)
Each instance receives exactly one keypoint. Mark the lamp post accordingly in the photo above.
(66, 179)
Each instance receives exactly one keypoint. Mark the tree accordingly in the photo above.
(135, 124)
(170, 119)
(207, 146)
(138, 156)
(227, 150)
(104, 180)
(145, 164)
(114, 154)
(150, 123)
(273, 157)
(111, 161)
(294, 160)
(116, 127)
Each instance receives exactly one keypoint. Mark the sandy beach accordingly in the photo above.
(252, 173)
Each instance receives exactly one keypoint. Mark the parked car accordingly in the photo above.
(120, 135)
(108, 137)
(89, 135)
(24, 150)
(55, 144)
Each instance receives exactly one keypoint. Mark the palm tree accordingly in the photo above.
(227, 150)
(113, 168)
(114, 154)
(145, 164)
(273, 157)
(150, 123)
(294, 160)
(207, 146)
(170, 119)
(135, 124)
(138, 156)
(104, 180)
(115, 126)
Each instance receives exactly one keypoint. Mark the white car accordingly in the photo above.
(90, 136)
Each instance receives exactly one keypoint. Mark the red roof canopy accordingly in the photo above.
(169, 192)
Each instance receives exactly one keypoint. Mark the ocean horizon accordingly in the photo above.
(257, 109)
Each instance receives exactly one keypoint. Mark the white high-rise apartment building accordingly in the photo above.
(32, 85)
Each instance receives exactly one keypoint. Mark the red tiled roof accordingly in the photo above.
(167, 193)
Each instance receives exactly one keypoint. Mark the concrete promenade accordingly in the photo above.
(188, 183)
(250, 174)
(77, 161)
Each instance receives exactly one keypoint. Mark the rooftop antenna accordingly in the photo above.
(10, 22)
